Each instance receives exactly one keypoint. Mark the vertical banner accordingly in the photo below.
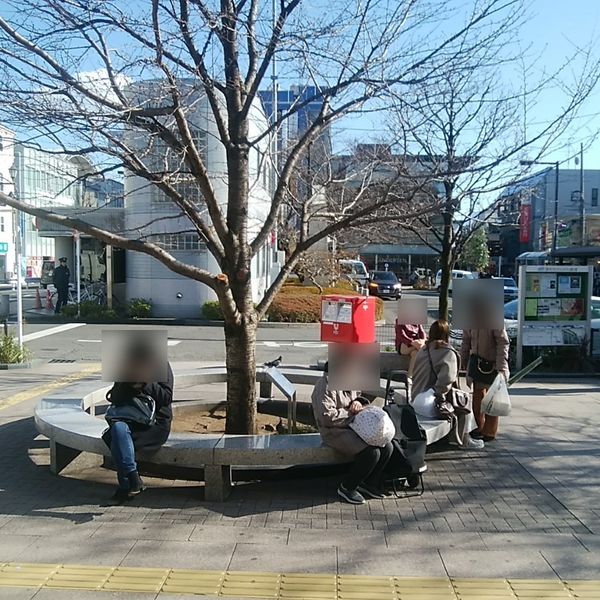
(525, 224)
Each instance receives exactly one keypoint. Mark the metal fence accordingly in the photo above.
(386, 336)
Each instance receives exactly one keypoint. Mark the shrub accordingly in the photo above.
(70, 311)
(301, 308)
(10, 351)
(421, 284)
(303, 304)
(139, 308)
(212, 310)
(89, 310)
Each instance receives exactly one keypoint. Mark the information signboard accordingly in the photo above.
(554, 306)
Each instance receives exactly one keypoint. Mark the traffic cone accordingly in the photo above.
(49, 305)
(38, 299)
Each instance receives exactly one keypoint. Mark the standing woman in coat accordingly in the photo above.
(125, 439)
(334, 410)
(484, 354)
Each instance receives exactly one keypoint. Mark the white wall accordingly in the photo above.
(7, 154)
(147, 277)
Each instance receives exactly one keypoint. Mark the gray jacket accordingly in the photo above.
(445, 369)
(330, 408)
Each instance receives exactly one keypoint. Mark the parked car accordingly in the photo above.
(456, 274)
(355, 270)
(511, 291)
(384, 284)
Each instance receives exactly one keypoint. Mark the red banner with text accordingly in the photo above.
(525, 224)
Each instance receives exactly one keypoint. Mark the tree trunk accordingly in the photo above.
(240, 346)
(446, 264)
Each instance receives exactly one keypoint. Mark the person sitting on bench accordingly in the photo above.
(334, 410)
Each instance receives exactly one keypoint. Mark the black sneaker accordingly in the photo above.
(136, 485)
(121, 495)
(476, 434)
(351, 496)
(371, 492)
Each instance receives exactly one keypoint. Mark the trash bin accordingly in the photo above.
(4, 306)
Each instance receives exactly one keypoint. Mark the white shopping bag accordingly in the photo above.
(496, 402)
(424, 404)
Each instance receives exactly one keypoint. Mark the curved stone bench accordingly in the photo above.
(67, 419)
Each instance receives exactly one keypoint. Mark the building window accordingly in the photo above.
(1, 224)
(177, 241)
(594, 196)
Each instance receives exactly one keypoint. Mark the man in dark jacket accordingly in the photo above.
(60, 279)
(125, 439)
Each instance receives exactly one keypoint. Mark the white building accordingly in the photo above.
(44, 180)
(149, 213)
(7, 215)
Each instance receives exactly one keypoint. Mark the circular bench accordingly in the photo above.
(67, 419)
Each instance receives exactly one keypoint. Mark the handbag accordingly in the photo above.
(481, 370)
(374, 426)
(496, 402)
(455, 402)
(138, 410)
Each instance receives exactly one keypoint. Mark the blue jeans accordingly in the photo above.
(123, 452)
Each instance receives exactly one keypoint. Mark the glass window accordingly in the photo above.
(594, 196)
(2, 224)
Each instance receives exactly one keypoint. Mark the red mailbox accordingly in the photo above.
(348, 319)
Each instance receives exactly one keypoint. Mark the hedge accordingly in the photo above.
(294, 304)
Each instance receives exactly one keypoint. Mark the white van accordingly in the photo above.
(456, 274)
(355, 270)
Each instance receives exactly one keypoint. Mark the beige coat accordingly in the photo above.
(445, 369)
(490, 344)
(330, 408)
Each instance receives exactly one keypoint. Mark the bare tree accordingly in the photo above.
(120, 82)
(465, 129)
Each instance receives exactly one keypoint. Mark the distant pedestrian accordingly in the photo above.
(60, 279)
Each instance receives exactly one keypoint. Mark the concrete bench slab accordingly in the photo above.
(302, 449)
(63, 418)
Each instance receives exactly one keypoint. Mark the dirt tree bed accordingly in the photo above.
(213, 421)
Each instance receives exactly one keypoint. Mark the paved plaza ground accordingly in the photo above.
(519, 519)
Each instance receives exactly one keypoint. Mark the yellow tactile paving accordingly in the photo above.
(288, 586)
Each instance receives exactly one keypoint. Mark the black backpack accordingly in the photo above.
(410, 444)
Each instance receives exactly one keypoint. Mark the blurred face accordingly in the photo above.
(354, 367)
(478, 304)
(134, 355)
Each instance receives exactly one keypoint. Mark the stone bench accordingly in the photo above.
(67, 420)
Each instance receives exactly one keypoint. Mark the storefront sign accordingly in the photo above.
(525, 224)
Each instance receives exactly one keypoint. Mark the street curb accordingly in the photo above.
(157, 321)
(30, 364)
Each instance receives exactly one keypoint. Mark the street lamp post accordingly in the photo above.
(18, 250)
(556, 165)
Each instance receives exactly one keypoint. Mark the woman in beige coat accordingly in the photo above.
(484, 354)
(334, 410)
(436, 367)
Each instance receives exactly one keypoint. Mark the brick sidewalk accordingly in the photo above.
(526, 507)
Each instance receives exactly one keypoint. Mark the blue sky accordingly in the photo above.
(552, 32)
(555, 28)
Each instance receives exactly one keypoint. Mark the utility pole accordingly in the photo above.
(581, 196)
